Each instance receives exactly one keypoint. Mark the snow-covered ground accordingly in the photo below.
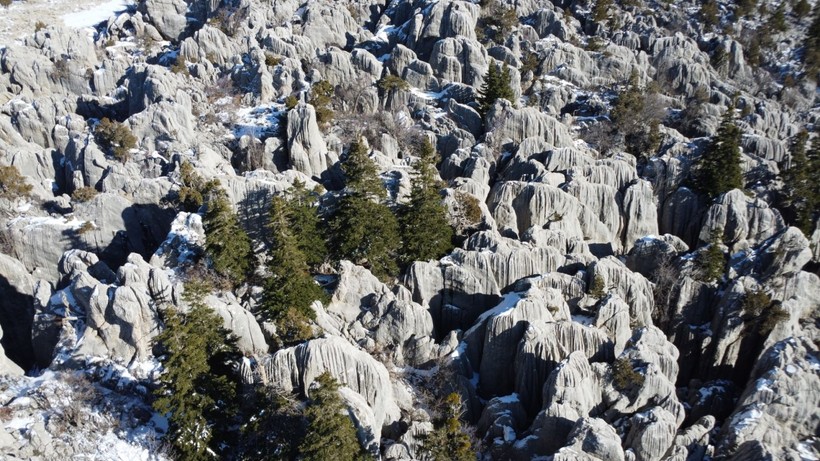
(89, 16)
(19, 19)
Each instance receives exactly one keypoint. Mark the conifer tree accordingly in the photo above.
(711, 263)
(811, 47)
(331, 435)
(197, 401)
(800, 184)
(193, 188)
(449, 442)
(426, 232)
(496, 85)
(275, 428)
(305, 224)
(364, 228)
(289, 287)
(600, 11)
(718, 170)
(226, 243)
(630, 116)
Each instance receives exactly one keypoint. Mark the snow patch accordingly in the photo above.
(746, 419)
(259, 121)
(96, 14)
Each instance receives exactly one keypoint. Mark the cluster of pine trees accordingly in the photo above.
(209, 414)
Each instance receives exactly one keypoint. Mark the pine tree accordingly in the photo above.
(801, 9)
(193, 188)
(710, 13)
(811, 47)
(331, 435)
(426, 232)
(718, 170)
(496, 85)
(197, 400)
(364, 228)
(449, 442)
(226, 243)
(745, 7)
(275, 428)
(800, 199)
(321, 99)
(305, 224)
(711, 263)
(289, 287)
(630, 116)
(600, 11)
(777, 21)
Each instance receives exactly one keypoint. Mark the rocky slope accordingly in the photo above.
(584, 257)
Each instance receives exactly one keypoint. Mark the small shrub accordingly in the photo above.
(84, 194)
(393, 83)
(5, 3)
(193, 188)
(321, 99)
(624, 376)
(598, 287)
(13, 184)
(180, 66)
(291, 102)
(62, 69)
(470, 208)
(271, 60)
(776, 314)
(709, 13)
(39, 25)
(116, 138)
(756, 302)
(595, 44)
(529, 63)
(86, 227)
(711, 263)
(801, 9)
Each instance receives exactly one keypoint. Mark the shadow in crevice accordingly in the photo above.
(146, 227)
(16, 316)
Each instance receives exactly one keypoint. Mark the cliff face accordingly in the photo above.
(575, 317)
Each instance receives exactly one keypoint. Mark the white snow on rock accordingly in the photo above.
(91, 16)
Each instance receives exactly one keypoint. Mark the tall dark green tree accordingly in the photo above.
(196, 397)
(426, 232)
(364, 229)
(802, 190)
(718, 170)
(331, 435)
(193, 188)
(496, 85)
(811, 47)
(448, 441)
(633, 120)
(226, 243)
(275, 427)
(711, 262)
(303, 217)
(289, 287)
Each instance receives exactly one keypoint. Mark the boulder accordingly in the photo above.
(591, 439)
(778, 410)
(295, 368)
(308, 153)
(744, 221)
(167, 16)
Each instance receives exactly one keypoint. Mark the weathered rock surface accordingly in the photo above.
(294, 369)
